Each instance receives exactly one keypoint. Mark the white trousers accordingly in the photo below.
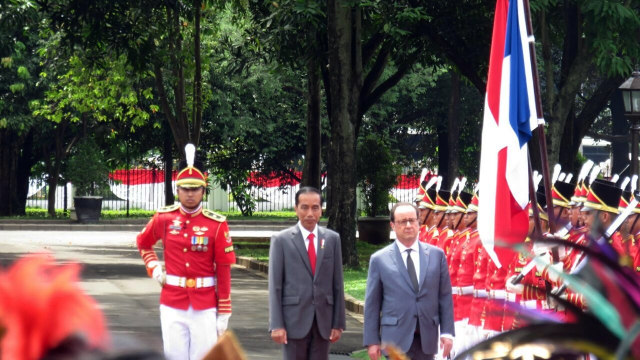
(187, 334)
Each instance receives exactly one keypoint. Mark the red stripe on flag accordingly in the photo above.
(511, 221)
(496, 56)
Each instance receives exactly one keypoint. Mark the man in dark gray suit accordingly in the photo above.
(306, 291)
(408, 293)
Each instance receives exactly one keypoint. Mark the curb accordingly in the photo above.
(351, 304)
(70, 227)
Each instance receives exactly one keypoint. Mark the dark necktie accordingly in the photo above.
(311, 250)
(412, 271)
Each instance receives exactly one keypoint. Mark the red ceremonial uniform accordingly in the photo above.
(451, 245)
(636, 258)
(444, 239)
(453, 259)
(618, 244)
(509, 320)
(465, 272)
(424, 232)
(480, 256)
(633, 245)
(494, 307)
(194, 246)
(430, 235)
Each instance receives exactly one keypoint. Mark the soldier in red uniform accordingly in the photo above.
(480, 256)
(529, 292)
(195, 301)
(464, 257)
(445, 232)
(426, 217)
(600, 208)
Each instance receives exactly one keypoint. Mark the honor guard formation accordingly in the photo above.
(483, 294)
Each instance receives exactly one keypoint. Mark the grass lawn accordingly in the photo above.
(355, 280)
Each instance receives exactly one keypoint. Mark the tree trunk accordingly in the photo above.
(311, 174)
(15, 165)
(197, 83)
(54, 166)
(23, 171)
(345, 77)
(443, 155)
(167, 154)
(453, 120)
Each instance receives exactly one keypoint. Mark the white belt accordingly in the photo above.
(529, 304)
(480, 293)
(510, 296)
(463, 290)
(197, 282)
(497, 294)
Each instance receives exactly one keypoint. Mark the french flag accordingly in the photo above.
(509, 119)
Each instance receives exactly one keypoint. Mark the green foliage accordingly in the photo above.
(87, 170)
(254, 120)
(19, 23)
(101, 94)
(377, 173)
(38, 213)
(355, 282)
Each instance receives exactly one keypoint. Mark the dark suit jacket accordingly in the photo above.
(392, 307)
(295, 296)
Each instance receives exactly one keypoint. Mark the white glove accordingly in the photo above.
(222, 322)
(159, 274)
(554, 273)
(543, 260)
(517, 288)
(562, 252)
(539, 248)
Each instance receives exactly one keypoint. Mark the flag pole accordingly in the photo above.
(540, 128)
(537, 232)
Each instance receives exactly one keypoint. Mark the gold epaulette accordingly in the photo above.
(213, 215)
(170, 208)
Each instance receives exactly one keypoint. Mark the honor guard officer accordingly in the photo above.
(428, 230)
(445, 233)
(464, 258)
(195, 301)
(480, 257)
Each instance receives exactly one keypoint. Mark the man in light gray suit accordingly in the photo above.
(408, 298)
(306, 291)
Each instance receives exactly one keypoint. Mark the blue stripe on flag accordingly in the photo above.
(519, 111)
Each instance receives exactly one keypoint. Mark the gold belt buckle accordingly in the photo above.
(191, 283)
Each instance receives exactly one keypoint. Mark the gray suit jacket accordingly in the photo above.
(295, 296)
(392, 306)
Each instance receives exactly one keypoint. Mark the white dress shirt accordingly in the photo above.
(414, 256)
(305, 236)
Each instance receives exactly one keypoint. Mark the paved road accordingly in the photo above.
(115, 276)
